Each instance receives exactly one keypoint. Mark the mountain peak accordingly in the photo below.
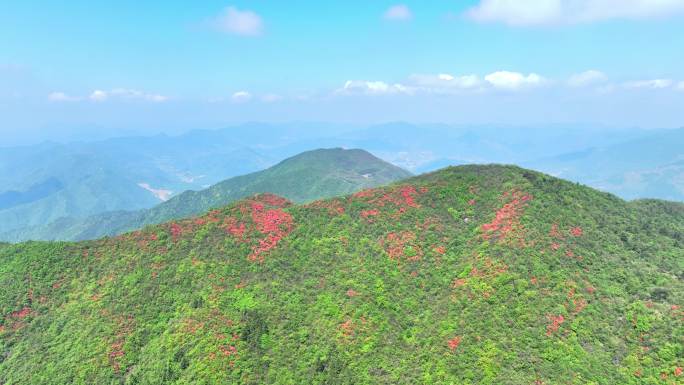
(435, 271)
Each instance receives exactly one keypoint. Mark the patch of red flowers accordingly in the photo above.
(365, 194)
(274, 224)
(235, 228)
(407, 192)
(506, 222)
(454, 343)
(576, 231)
(440, 250)
(347, 328)
(396, 243)
(20, 314)
(352, 293)
(228, 350)
(556, 322)
(176, 231)
(273, 200)
(678, 371)
(369, 213)
(403, 197)
(554, 232)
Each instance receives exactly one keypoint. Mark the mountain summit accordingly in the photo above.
(310, 175)
(468, 275)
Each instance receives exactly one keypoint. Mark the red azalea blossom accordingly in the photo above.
(454, 342)
(237, 229)
(365, 194)
(556, 321)
(576, 231)
(471, 202)
(396, 243)
(678, 371)
(176, 231)
(440, 250)
(351, 293)
(369, 213)
(507, 219)
(228, 350)
(554, 233)
(274, 223)
(555, 246)
(347, 328)
(23, 313)
(408, 192)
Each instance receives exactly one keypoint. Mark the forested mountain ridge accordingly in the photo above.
(304, 177)
(468, 275)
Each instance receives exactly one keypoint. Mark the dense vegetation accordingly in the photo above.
(470, 275)
(305, 177)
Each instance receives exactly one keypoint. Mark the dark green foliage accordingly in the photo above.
(469, 275)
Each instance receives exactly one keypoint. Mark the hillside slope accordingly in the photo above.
(469, 275)
(310, 175)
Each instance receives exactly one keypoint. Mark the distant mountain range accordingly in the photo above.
(63, 184)
(467, 275)
(305, 177)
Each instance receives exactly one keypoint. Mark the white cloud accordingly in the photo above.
(237, 22)
(373, 87)
(126, 94)
(587, 78)
(135, 94)
(514, 80)
(445, 82)
(680, 86)
(98, 96)
(241, 97)
(649, 84)
(549, 12)
(398, 12)
(62, 97)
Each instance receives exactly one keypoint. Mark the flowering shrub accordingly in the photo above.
(576, 231)
(454, 343)
(506, 222)
(369, 213)
(176, 231)
(274, 224)
(556, 322)
(397, 244)
(23, 313)
(441, 250)
(402, 197)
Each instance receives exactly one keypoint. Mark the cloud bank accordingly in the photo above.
(237, 22)
(559, 12)
(398, 12)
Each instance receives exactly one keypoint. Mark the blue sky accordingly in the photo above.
(104, 68)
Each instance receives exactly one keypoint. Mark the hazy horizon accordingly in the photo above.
(80, 70)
